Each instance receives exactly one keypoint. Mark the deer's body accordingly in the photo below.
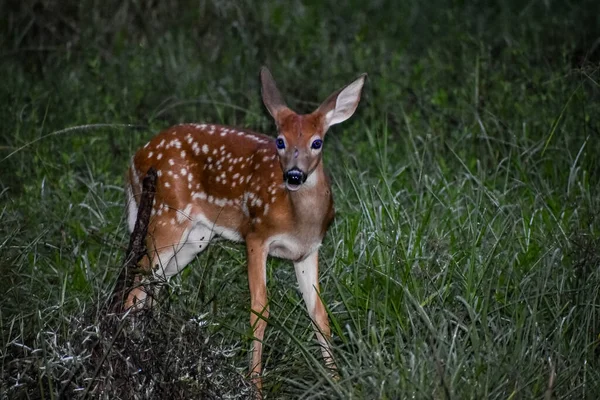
(216, 180)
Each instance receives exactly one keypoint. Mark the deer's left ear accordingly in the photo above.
(341, 104)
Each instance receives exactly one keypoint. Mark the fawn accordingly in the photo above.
(272, 194)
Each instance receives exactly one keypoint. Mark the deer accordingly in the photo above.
(270, 193)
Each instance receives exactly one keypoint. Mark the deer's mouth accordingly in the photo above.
(291, 187)
(294, 178)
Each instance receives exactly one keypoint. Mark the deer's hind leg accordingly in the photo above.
(173, 240)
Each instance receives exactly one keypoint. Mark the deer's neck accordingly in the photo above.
(312, 205)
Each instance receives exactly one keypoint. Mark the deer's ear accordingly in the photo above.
(341, 104)
(270, 94)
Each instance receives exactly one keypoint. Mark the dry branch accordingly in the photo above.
(137, 245)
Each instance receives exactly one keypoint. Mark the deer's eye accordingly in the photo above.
(280, 143)
(316, 144)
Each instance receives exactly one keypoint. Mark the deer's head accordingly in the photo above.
(300, 137)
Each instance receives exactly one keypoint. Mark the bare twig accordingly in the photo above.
(137, 246)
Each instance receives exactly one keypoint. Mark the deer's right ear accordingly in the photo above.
(270, 94)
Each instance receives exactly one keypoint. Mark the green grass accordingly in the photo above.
(464, 260)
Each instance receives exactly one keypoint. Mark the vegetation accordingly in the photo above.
(464, 261)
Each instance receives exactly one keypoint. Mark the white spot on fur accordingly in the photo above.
(220, 202)
(201, 196)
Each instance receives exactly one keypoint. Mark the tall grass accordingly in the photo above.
(464, 259)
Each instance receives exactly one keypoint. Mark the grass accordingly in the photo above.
(464, 261)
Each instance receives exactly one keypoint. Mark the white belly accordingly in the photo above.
(291, 247)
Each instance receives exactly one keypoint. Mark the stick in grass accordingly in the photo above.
(137, 246)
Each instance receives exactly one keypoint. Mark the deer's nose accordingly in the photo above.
(294, 176)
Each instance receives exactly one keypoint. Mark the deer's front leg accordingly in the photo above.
(257, 279)
(307, 273)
